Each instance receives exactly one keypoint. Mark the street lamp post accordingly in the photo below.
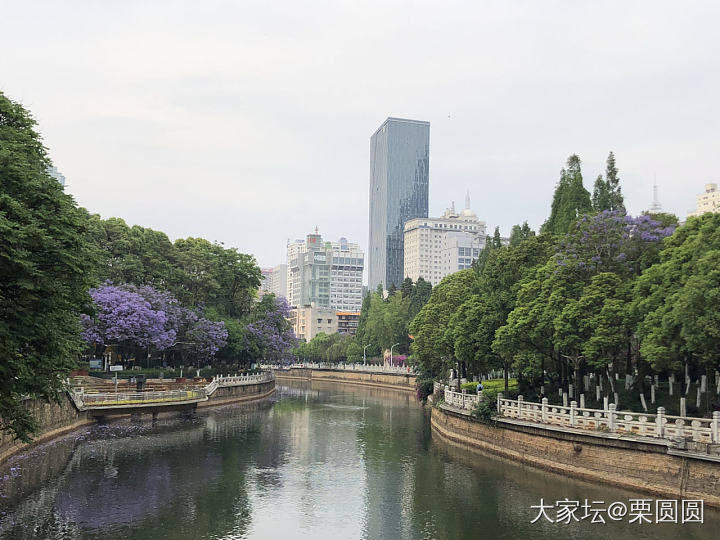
(391, 348)
(365, 347)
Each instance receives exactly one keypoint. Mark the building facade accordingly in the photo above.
(438, 247)
(326, 274)
(708, 201)
(399, 182)
(348, 322)
(309, 321)
(274, 280)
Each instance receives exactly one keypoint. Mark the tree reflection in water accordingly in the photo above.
(319, 460)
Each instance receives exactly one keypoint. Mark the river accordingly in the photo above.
(320, 460)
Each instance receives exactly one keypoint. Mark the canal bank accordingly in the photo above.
(322, 460)
(625, 462)
(397, 381)
(63, 417)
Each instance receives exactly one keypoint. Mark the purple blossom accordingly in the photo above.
(271, 336)
(612, 242)
(139, 318)
(124, 318)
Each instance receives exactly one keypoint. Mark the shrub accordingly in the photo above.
(424, 388)
(487, 407)
(494, 384)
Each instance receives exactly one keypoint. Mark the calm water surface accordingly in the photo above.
(323, 461)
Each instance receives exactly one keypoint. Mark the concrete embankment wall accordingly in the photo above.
(55, 419)
(59, 418)
(236, 394)
(624, 463)
(400, 381)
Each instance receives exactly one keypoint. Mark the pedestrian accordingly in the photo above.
(479, 388)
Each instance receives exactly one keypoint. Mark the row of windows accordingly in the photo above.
(468, 252)
(355, 261)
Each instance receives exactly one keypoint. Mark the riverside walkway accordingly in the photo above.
(99, 403)
(704, 431)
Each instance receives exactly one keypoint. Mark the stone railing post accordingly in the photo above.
(520, 406)
(660, 422)
(611, 418)
(544, 410)
(715, 427)
(573, 412)
(499, 403)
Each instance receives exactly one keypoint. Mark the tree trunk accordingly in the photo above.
(507, 386)
(578, 362)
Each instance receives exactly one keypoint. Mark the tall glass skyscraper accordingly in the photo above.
(399, 160)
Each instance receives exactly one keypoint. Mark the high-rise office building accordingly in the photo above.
(399, 180)
(325, 274)
(57, 175)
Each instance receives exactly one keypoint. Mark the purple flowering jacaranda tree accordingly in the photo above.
(125, 319)
(270, 338)
(613, 242)
(137, 320)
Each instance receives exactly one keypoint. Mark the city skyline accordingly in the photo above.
(201, 137)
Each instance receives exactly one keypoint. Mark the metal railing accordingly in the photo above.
(660, 425)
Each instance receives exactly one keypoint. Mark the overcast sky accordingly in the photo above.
(249, 123)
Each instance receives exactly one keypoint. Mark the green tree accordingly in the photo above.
(431, 349)
(607, 194)
(46, 268)
(570, 200)
(520, 233)
(672, 298)
(617, 202)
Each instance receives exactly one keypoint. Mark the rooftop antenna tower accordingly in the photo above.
(655, 207)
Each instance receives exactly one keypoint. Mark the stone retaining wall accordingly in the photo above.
(630, 464)
(398, 381)
(55, 419)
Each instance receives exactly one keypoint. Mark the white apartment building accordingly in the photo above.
(708, 201)
(274, 280)
(438, 247)
(309, 321)
(327, 274)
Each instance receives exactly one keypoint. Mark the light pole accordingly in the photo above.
(365, 347)
(391, 348)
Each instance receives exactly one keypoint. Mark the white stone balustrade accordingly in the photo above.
(705, 430)
(373, 368)
(461, 400)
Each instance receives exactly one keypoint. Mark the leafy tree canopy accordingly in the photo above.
(46, 268)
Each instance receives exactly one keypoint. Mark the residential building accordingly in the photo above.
(327, 274)
(437, 247)
(308, 321)
(708, 201)
(399, 182)
(274, 280)
(348, 322)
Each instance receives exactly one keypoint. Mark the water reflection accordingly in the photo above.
(322, 460)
